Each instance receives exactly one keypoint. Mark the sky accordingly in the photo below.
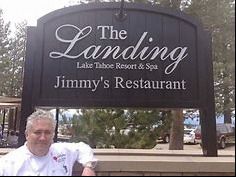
(17, 11)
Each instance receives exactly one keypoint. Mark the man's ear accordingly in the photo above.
(26, 135)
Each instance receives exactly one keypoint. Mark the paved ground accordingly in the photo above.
(164, 146)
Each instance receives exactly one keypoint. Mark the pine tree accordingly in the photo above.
(218, 17)
(4, 53)
(17, 54)
(117, 127)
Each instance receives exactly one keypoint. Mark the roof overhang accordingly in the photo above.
(9, 102)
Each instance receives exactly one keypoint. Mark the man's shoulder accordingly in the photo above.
(68, 147)
(66, 144)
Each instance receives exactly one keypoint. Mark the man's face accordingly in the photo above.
(40, 137)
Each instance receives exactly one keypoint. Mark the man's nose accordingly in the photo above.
(43, 136)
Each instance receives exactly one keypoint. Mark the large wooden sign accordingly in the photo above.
(86, 56)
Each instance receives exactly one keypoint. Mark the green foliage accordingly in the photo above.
(17, 54)
(12, 52)
(118, 128)
(4, 51)
(218, 17)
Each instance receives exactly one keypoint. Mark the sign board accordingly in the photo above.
(85, 56)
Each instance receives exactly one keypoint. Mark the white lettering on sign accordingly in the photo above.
(119, 83)
(149, 84)
(113, 34)
(132, 52)
(63, 82)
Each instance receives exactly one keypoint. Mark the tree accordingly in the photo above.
(118, 128)
(4, 52)
(92, 126)
(17, 55)
(12, 52)
(218, 17)
(177, 130)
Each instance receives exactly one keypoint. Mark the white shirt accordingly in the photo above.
(58, 162)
